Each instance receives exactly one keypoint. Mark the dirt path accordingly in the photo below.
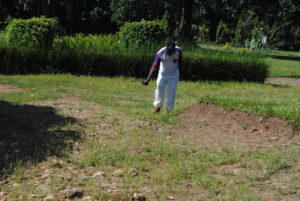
(283, 81)
(211, 125)
(9, 89)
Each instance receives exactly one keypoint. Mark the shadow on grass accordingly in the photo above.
(31, 133)
(290, 58)
(216, 51)
(278, 85)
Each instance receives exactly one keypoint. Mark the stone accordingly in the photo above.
(138, 197)
(45, 176)
(70, 193)
(100, 174)
(254, 130)
(87, 198)
(49, 198)
(32, 195)
(170, 198)
(118, 173)
(133, 172)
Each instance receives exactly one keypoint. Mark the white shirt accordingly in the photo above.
(168, 63)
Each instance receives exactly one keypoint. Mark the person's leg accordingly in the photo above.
(160, 92)
(172, 85)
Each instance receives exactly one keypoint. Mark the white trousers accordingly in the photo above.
(162, 81)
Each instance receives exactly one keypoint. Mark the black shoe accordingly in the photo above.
(157, 110)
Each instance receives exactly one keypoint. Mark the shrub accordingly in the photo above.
(136, 34)
(3, 39)
(238, 34)
(203, 34)
(32, 33)
(225, 66)
(223, 33)
(256, 34)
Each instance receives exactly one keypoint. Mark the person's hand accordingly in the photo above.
(145, 82)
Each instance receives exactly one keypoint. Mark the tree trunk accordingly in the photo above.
(187, 24)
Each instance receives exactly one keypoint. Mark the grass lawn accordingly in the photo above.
(284, 68)
(98, 134)
(287, 63)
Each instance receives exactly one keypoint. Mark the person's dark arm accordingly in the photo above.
(153, 67)
(146, 81)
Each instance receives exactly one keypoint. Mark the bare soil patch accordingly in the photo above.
(9, 89)
(283, 81)
(73, 106)
(210, 125)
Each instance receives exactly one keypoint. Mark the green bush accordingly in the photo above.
(32, 33)
(223, 33)
(202, 34)
(3, 39)
(136, 34)
(256, 33)
(238, 34)
(227, 66)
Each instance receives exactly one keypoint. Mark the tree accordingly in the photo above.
(87, 16)
(187, 23)
(136, 10)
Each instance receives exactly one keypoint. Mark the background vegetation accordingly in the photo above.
(275, 19)
(110, 55)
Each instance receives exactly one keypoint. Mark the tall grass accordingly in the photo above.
(91, 43)
(104, 55)
(110, 44)
(3, 39)
(211, 67)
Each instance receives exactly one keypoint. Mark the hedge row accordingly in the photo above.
(24, 61)
(136, 34)
(33, 33)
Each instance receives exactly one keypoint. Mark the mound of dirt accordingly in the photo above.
(210, 125)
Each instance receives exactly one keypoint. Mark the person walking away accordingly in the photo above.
(169, 60)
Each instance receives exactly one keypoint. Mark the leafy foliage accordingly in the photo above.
(202, 34)
(225, 66)
(103, 16)
(136, 10)
(141, 33)
(33, 33)
(238, 35)
(223, 33)
(285, 32)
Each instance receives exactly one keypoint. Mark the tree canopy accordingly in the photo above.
(277, 19)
